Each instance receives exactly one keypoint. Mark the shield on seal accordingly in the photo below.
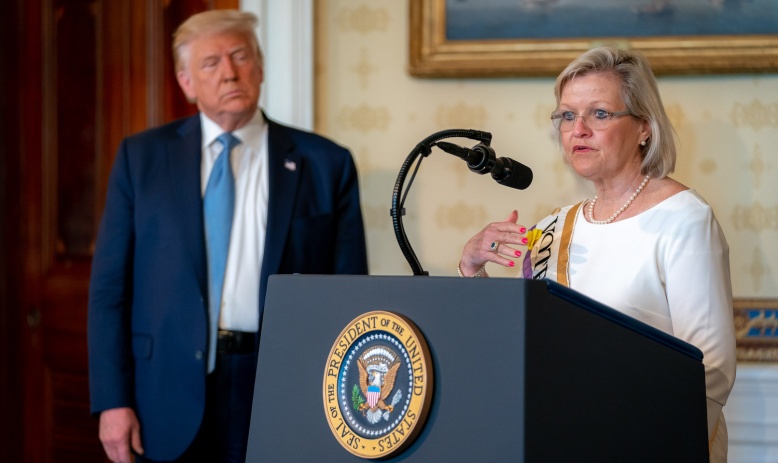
(373, 395)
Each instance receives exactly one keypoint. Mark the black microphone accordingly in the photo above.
(482, 159)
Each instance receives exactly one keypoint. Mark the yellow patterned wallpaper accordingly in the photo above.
(365, 99)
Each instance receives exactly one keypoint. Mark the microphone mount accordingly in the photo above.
(482, 159)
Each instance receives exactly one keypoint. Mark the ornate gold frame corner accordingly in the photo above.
(756, 329)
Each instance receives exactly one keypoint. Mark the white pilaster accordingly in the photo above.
(286, 36)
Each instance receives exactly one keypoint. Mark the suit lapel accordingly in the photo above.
(184, 154)
(284, 164)
(283, 174)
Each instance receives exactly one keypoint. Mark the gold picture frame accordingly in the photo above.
(756, 329)
(432, 55)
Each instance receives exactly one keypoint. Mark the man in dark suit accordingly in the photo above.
(199, 213)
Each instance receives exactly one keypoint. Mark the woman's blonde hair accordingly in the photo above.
(640, 94)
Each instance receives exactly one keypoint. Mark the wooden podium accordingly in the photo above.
(524, 371)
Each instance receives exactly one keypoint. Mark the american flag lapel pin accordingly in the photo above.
(290, 165)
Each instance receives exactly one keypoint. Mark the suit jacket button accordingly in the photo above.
(199, 355)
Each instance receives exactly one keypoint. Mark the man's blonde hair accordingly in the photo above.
(214, 22)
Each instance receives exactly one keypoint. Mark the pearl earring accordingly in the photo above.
(643, 143)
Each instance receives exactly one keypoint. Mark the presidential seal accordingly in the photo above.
(377, 384)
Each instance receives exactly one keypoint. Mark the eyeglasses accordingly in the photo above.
(595, 119)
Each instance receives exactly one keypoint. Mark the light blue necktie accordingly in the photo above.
(218, 207)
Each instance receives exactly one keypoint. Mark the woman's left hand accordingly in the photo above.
(495, 243)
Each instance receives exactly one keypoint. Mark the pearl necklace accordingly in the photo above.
(622, 209)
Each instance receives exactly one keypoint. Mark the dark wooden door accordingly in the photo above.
(86, 73)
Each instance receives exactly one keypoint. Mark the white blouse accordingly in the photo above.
(667, 267)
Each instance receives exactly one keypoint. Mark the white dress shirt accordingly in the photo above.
(240, 293)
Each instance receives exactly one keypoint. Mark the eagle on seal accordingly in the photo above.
(376, 383)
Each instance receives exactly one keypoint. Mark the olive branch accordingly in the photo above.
(356, 398)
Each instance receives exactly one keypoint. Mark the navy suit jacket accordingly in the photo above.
(148, 313)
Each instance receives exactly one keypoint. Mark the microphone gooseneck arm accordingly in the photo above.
(423, 149)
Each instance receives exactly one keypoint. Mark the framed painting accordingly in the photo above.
(491, 38)
(756, 330)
